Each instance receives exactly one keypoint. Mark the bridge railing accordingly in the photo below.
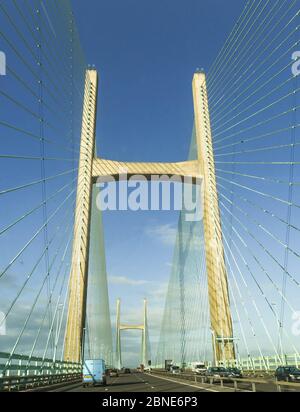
(266, 363)
(247, 382)
(19, 383)
(18, 366)
(256, 364)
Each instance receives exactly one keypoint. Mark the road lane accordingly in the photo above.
(139, 382)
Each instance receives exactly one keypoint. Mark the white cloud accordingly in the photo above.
(164, 233)
(123, 280)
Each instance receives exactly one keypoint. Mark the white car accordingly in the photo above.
(175, 370)
(199, 369)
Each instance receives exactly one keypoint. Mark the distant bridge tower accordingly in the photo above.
(121, 326)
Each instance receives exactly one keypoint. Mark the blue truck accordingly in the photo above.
(94, 372)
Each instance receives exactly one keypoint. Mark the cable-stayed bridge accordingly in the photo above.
(233, 291)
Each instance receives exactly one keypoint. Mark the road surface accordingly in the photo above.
(139, 382)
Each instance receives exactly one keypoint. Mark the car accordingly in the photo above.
(175, 369)
(127, 370)
(235, 372)
(199, 369)
(217, 372)
(113, 373)
(287, 373)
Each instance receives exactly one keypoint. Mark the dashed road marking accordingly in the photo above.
(186, 384)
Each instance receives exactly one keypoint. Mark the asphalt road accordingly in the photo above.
(138, 382)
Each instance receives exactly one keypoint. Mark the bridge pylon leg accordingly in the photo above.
(118, 336)
(80, 253)
(220, 315)
(144, 337)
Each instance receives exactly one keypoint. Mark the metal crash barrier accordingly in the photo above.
(253, 383)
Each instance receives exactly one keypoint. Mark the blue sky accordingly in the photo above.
(146, 53)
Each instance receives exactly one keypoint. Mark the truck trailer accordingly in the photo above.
(94, 372)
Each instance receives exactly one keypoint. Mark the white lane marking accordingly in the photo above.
(142, 380)
(186, 384)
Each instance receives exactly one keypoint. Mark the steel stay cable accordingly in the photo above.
(258, 67)
(286, 66)
(251, 139)
(43, 40)
(274, 163)
(247, 129)
(35, 266)
(57, 52)
(252, 299)
(49, 302)
(35, 208)
(258, 285)
(282, 98)
(231, 293)
(261, 149)
(291, 277)
(242, 302)
(220, 57)
(61, 320)
(259, 192)
(262, 227)
(18, 54)
(31, 311)
(235, 47)
(35, 182)
(245, 67)
(29, 242)
(189, 296)
(39, 46)
(249, 233)
(288, 217)
(63, 310)
(256, 177)
(34, 136)
(260, 265)
(38, 335)
(42, 158)
(20, 157)
(241, 49)
(264, 210)
(27, 65)
(275, 89)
